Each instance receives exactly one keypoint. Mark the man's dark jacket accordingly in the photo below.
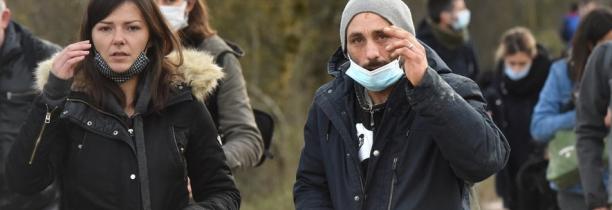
(19, 55)
(434, 141)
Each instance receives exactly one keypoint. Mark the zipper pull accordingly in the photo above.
(371, 116)
(48, 118)
(394, 163)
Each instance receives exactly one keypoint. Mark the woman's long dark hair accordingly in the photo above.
(161, 42)
(593, 27)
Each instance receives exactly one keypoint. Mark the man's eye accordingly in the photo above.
(356, 40)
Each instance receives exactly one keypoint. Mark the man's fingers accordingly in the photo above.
(395, 32)
(404, 52)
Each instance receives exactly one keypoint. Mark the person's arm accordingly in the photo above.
(36, 155)
(592, 106)
(459, 124)
(310, 190)
(243, 145)
(455, 114)
(548, 117)
(212, 184)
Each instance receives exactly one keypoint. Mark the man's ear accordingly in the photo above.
(5, 18)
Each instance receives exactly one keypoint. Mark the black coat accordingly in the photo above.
(103, 160)
(461, 60)
(511, 104)
(433, 143)
(19, 56)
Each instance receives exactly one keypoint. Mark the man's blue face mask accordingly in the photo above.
(377, 79)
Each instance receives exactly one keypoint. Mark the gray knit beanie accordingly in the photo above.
(395, 11)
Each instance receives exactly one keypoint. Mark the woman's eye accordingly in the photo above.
(104, 29)
(133, 28)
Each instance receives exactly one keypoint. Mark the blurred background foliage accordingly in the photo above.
(287, 44)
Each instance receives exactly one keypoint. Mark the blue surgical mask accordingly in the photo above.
(463, 20)
(377, 79)
(513, 75)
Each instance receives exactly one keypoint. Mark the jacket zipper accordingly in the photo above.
(393, 180)
(40, 134)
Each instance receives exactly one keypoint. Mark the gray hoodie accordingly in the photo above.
(592, 106)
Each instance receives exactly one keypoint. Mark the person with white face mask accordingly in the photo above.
(446, 31)
(229, 104)
(522, 68)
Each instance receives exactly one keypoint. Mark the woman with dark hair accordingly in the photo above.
(229, 105)
(522, 67)
(556, 109)
(120, 121)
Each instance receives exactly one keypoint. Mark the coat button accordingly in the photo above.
(357, 198)
(132, 176)
(80, 146)
(376, 153)
(330, 91)
(115, 133)
(65, 112)
(131, 131)
(89, 123)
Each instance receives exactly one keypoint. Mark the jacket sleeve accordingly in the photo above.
(243, 143)
(212, 183)
(36, 155)
(548, 117)
(310, 191)
(590, 129)
(464, 133)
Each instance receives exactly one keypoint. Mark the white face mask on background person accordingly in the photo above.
(378, 79)
(463, 19)
(176, 16)
(517, 75)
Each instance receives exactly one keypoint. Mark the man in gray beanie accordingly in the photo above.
(395, 129)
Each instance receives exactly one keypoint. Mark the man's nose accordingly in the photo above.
(372, 51)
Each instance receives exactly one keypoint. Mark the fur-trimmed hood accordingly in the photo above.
(198, 71)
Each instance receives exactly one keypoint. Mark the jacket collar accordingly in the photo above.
(12, 43)
(198, 75)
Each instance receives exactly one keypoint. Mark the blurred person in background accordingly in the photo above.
(556, 108)
(20, 51)
(522, 68)
(120, 121)
(570, 24)
(229, 105)
(445, 30)
(592, 58)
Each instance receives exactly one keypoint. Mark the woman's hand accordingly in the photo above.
(65, 62)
